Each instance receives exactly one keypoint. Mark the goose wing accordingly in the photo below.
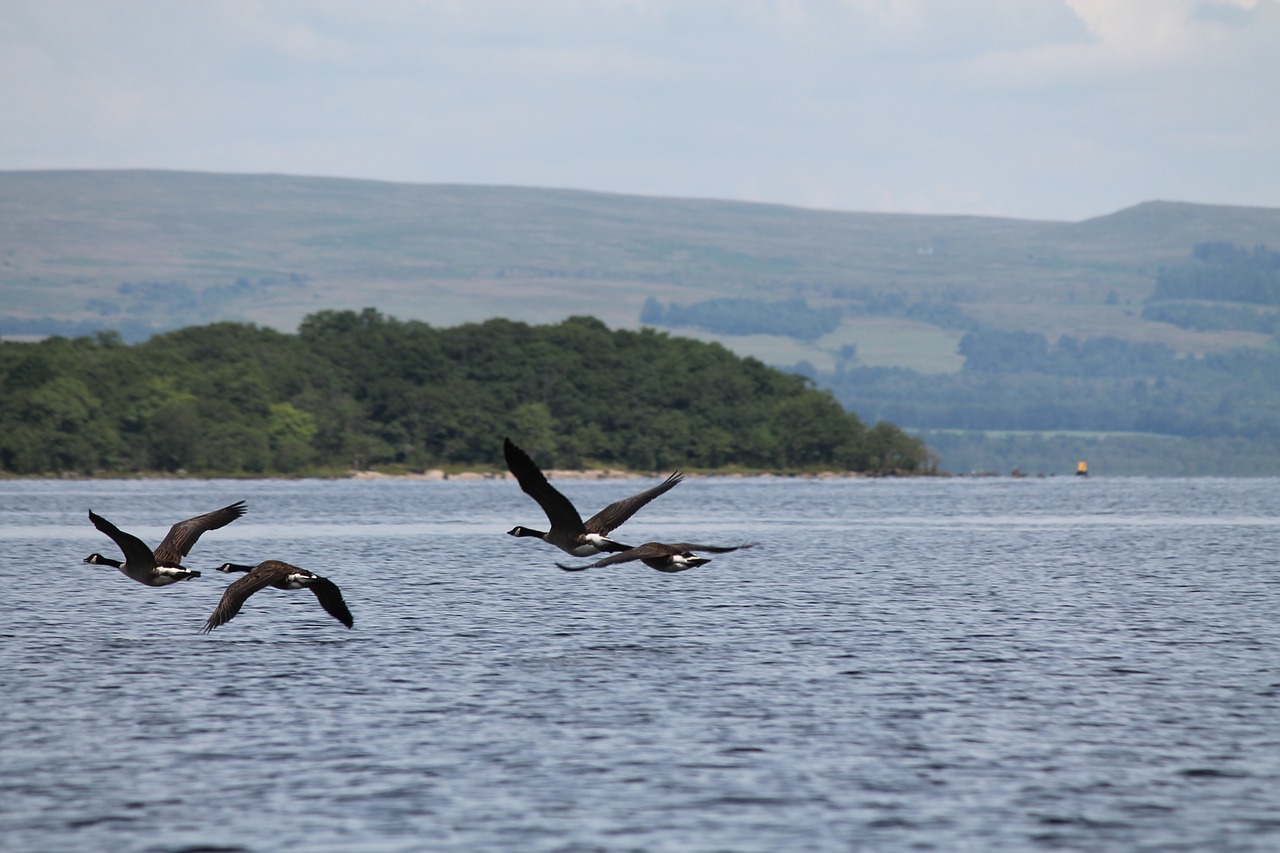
(330, 598)
(183, 535)
(619, 511)
(679, 547)
(137, 555)
(560, 512)
(650, 550)
(640, 552)
(234, 596)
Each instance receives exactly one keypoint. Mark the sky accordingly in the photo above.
(1038, 109)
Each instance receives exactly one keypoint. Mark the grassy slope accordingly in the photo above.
(449, 254)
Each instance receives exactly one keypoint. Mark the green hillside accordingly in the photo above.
(354, 390)
(270, 249)
(837, 296)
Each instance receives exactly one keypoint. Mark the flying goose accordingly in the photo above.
(568, 532)
(162, 566)
(280, 575)
(673, 557)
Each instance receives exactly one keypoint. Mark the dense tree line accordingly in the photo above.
(170, 297)
(139, 309)
(1223, 272)
(795, 318)
(991, 350)
(790, 318)
(943, 311)
(1211, 317)
(1015, 381)
(364, 389)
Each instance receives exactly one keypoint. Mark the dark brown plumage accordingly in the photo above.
(665, 557)
(281, 575)
(182, 537)
(568, 531)
(162, 566)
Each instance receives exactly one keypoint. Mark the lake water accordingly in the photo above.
(925, 664)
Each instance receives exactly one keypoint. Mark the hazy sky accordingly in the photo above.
(1048, 109)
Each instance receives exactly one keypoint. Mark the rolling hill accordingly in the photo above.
(141, 251)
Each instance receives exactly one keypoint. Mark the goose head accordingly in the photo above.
(99, 560)
(679, 562)
(525, 531)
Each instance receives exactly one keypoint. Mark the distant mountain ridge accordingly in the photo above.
(453, 253)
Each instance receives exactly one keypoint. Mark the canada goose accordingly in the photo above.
(280, 575)
(675, 557)
(162, 566)
(568, 532)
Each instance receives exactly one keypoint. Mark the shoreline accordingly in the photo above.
(605, 474)
(439, 474)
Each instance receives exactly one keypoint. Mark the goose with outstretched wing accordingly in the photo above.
(665, 557)
(163, 566)
(568, 531)
(281, 575)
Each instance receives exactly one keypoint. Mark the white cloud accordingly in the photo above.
(1061, 108)
(1135, 39)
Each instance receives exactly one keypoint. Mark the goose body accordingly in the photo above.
(281, 575)
(665, 557)
(162, 566)
(568, 531)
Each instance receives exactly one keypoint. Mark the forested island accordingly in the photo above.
(361, 390)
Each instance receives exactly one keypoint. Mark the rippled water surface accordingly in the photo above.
(1054, 664)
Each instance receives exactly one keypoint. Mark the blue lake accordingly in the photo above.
(925, 664)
